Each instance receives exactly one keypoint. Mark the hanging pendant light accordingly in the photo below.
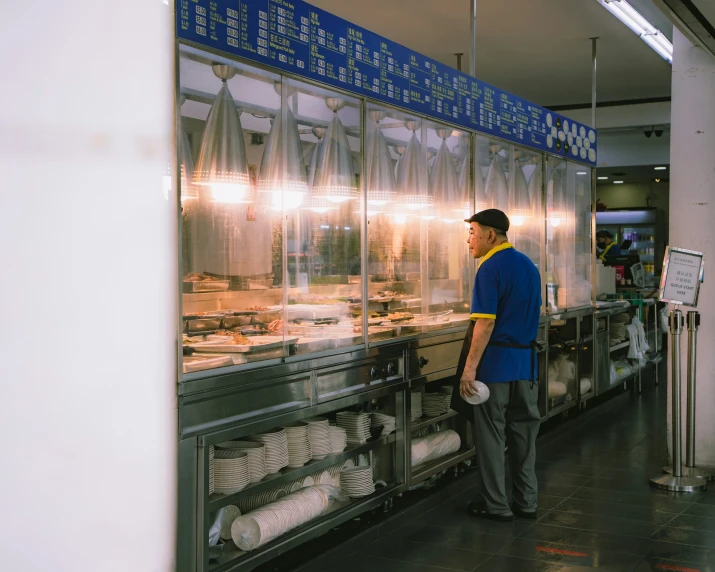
(188, 190)
(557, 213)
(222, 161)
(318, 205)
(535, 184)
(521, 210)
(451, 202)
(481, 200)
(413, 180)
(334, 174)
(380, 178)
(496, 184)
(282, 172)
(400, 150)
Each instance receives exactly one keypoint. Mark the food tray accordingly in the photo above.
(315, 311)
(230, 322)
(192, 287)
(202, 324)
(200, 363)
(258, 344)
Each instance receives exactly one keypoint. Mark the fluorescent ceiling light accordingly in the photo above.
(603, 178)
(651, 35)
(581, 173)
(617, 182)
(660, 168)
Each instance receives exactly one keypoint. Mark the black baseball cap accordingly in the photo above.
(490, 217)
(603, 234)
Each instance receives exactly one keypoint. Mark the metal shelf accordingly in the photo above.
(619, 347)
(422, 472)
(561, 408)
(427, 421)
(233, 559)
(216, 501)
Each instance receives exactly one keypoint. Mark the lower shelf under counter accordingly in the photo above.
(339, 512)
(422, 472)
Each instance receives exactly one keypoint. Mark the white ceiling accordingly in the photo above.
(536, 49)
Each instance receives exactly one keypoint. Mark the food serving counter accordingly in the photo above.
(326, 287)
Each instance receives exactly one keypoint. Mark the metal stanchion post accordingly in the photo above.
(690, 470)
(677, 482)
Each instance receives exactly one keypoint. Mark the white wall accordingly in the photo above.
(692, 211)
(89, 247)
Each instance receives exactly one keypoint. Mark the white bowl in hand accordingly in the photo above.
(481, 396)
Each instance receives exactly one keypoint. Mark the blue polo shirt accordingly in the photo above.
(507, 289)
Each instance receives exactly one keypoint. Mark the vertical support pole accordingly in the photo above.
(676, 481)
(473, 39)
(594, 82)
(594, 79)
(693, 324)
(676, 330)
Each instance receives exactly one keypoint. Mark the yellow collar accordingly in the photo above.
(493, 251)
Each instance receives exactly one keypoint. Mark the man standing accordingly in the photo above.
(500, 351)
(608, 249)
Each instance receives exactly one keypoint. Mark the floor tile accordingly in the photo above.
(681, 554)
(693, 523)
(463, 521)
(367, 564)
(553, 477)
(569, 468)
(555, 490)
(684, 536)
(615, 510)
(425, 554)
(660, 500)
(656, 565)
(451, 538)
(598, 523)
(501, 563)
(701, 509)
(630, 484)
(571, 555)
(601, 541)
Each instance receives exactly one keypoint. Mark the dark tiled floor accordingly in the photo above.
(596, 509)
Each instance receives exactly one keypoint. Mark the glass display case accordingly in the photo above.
(271, 212)
(418, 194)
(568, 235)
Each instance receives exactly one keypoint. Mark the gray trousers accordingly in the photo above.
(511, 416)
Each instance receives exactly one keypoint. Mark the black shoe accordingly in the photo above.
(524, 513)
(478, 509)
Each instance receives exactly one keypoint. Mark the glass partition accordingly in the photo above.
(568, 200)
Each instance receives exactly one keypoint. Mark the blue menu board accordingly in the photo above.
(308, 42)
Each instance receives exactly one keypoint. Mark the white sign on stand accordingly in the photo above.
(682, 274)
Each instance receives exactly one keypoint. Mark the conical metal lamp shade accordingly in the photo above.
(222, 161)
(496, 185)
(413, 181)
(188, 190)
(557, 211)
(282, 172)
(481, 200)
(334, 178)
(317, 204)
(535, 184)
(452, 204)
(380, 176)
(521, 210)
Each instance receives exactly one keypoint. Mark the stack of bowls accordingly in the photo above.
(299, 452)
(356, 425)
(319, 437)
(338, 439)
(356, 482)
(276, 446)
(231, 474)
(256, 456)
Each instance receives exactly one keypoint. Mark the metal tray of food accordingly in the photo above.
(199, 363)
(204, 325)
(205, 284)
(219, 344)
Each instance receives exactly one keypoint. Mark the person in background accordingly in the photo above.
(500, 350)
(605, 245)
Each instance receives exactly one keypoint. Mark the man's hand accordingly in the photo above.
(466, 385)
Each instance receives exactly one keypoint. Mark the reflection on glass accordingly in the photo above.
(525, 213)
(496, 184)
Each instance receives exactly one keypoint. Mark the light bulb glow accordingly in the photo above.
(400, 219)
(288, 200)
(518, 220)
(230, 193)
(555, 221)
(337, 199)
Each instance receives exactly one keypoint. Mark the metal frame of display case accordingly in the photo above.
(218, 405)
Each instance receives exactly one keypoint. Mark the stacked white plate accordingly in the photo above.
(261, 499)
(357, 482)
(319, 437)
(338, 439)
(212, 480)
(264, 524)
(447, 391)
(256, 456)
(416, 405)
(386, 421)
(231, 474)
(276, 445)
(298, 444)
(433, 404)
(356, 425)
